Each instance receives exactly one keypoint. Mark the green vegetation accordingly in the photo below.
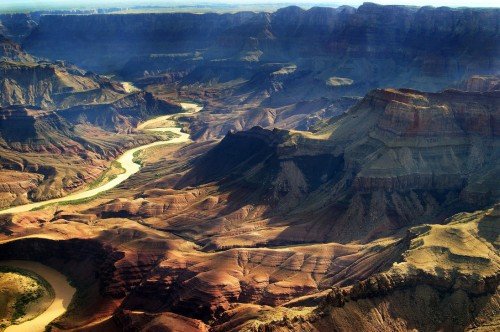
(114, 170)
(41, 287)
(70, 202)
(42, 282)
(136, 158)
(79, 200)
(26, 273)
(108, 175)
(23, 301)
(40, 207)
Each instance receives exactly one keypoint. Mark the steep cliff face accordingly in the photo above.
(119, 37)
(77, 95)
(18, 26)
(122, 114)
(380, 45)
(478, 83)
(430, 141)
(257, 67)
(350, 226)
(247, 237)
(399, 157)
(51, 85)
(59, 125)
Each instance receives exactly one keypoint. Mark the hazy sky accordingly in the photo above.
(65, 4)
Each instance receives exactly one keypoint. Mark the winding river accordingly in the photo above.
(126, 159)
(63, 290)
(63, 293)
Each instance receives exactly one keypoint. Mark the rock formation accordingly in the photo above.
(398, 157)
(57, 122)
(435, 286)
(311, 198)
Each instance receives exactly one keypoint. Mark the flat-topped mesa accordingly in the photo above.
(481, 83)
(451, 113)
(122, 114)
(403, 155)
(52, 85)
(271, 137)
(381, 97)
(77, 95)
(383, 45)
(430, 140)
(401, 120)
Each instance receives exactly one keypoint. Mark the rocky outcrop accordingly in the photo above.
(51, 85)
(33, 129)
(341, 227)
(372, 43)
(399, 157)
(244, 149)
(170, 204)
(258, 67)
(78, 96)
(419, 307)
(61, 122)
(12, 51)
(449, 113)
(459, 290)
(446, 124)
(15, 187)
(58, 86)
(259, 275)
(481, 84)
(120, 115)
(17, 26)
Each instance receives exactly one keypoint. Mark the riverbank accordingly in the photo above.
(126, 161)
(63, 293)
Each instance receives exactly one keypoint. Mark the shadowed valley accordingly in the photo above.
(329, 169)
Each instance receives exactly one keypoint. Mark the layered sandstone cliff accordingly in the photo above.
(399, 157)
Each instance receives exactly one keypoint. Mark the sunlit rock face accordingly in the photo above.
(397, 157)
(340, 173)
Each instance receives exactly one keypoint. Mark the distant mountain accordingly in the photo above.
(260, 68)
(425, 48)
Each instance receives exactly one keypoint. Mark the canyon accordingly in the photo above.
(329, 169)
